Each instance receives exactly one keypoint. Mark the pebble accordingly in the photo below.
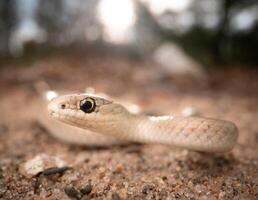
(86, 189)
(200, 188)
(147, 188)
(71, 192)
(54, 170)
(40, 163)
(116, 196)
(190, 112)
(119, 168)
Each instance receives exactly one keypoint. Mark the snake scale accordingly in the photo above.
(106, 120)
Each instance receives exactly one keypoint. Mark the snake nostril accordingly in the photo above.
(62, 106)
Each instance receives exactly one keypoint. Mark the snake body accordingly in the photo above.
(99, 115)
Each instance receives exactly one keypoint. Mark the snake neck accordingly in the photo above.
(152, 129)
(194, 133)
(139, 128)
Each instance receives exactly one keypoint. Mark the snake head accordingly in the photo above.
(86, 111)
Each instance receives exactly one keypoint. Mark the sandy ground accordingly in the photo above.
(130, 171)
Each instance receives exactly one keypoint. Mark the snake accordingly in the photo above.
(109, 121)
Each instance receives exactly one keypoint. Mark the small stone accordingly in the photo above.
(190, 112)
(163, 192)
(54, 170)
(190, 184)
(86, 189)
(40, 163)
(102, 172)
(119, 168)
(222, 195)
(200, 188)
(147, 188)
(71, 192)
(116, 196)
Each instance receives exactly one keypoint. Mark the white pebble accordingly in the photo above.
(39, 163)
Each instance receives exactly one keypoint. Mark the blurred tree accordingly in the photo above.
(224, 49)
(221, 37)
(203, 29)
(7, 21)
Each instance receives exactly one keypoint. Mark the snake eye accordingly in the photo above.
(87, 105)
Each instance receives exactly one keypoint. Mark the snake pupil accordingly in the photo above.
(87, 105)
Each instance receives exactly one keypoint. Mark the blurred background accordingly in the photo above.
(187, 32)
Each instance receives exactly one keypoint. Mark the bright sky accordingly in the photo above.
(117, 16)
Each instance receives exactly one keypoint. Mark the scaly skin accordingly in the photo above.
(112, 119)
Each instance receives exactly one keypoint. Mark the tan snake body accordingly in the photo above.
(111, 119)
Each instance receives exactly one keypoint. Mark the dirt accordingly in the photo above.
(133, 171)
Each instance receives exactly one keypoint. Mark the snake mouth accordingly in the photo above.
(54, 114)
